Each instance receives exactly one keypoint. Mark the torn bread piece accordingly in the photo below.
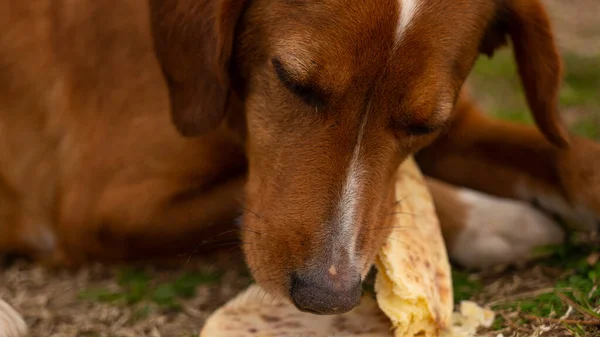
(11, 323)
(258, 314)
(413, 284)
(470, 318)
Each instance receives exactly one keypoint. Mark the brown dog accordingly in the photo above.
(311, 105)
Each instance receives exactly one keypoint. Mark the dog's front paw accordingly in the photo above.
(571, 190)
(579, 171)
(501, 231)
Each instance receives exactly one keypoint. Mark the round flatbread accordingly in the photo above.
(11, 323)
(258, 314)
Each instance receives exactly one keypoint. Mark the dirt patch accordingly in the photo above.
(65, 303)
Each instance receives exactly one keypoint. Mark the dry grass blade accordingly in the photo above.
(578, 307)
(521, 296)
(563, 321)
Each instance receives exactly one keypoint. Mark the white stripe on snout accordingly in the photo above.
(408, 10)
(350, 198)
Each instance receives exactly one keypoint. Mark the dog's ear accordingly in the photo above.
(193, 41)
(538, 62)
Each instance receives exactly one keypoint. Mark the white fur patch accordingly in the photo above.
(350, 198)
(408, 11)
(578, 215)
(501, 231)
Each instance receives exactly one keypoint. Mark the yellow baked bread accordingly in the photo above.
(413, 284)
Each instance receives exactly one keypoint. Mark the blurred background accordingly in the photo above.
(577, 28)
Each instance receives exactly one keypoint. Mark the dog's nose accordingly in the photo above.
(326, 293)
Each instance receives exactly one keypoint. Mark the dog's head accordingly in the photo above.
(336, 94)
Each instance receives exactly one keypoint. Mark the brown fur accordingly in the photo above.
(89, 155)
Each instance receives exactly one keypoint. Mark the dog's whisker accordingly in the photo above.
(250, 230)
(389, 227)
(393, 239)
(399, 201)
(252, 212)
(225, 244)
(402, 213)
(211, 240)
(255, 271)
(198, 247)
(260, 249)
(265, 291)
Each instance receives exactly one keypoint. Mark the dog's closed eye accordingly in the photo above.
(422, 130)
(307, 92)
(417, 128)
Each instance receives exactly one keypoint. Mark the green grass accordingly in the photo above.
(136, 286)
(587, 127)
(578, 287)
(465, 285)
(581, 81)
(499, 89)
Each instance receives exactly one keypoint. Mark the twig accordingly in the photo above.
(509, 321)
(566, 321)
(521, 296)
(576, 306)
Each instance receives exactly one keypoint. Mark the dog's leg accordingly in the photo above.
(512, 161)
(515, 161)
(155, 219)
(481, 230)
